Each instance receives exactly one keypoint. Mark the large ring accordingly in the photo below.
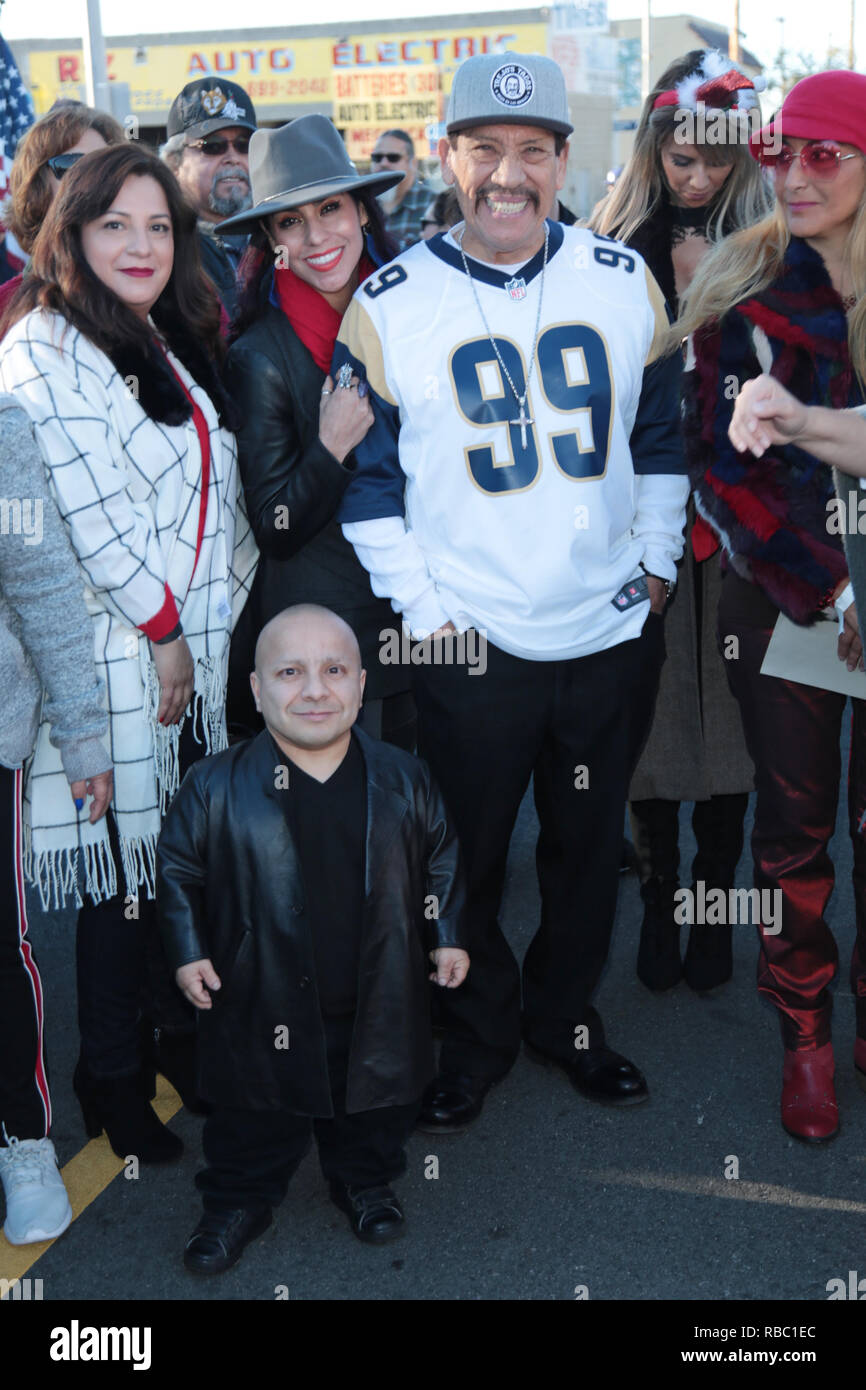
(326, 391)
(344, 378)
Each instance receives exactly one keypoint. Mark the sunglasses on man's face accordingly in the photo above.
(217, 145)
(59, 163)
(390, 157)
(819, 161)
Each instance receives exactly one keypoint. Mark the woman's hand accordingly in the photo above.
(850, 642)
(101, 788)
(175, 669)
(344, 417)
(765, 414)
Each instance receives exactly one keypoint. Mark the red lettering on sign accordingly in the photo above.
(67, 68)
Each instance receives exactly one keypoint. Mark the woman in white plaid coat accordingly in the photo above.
(112, 348)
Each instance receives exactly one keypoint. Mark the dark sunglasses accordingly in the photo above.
(391, 158)
(59, 163)
(214, 145)
(820, 161)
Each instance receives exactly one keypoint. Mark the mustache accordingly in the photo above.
(233, 171)
(491, 191)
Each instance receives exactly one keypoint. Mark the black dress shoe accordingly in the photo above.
(374, 1213)
(221, 1237)
(599, 1074)
(452, 1102)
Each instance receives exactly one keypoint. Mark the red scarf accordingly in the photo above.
(312, 317)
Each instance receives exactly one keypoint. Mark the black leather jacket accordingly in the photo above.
(230, 888)
(304, 557)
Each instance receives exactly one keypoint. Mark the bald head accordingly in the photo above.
(297, 624)
(308, 682)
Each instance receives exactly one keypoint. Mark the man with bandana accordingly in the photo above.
(209, 128)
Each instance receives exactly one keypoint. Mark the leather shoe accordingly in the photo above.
(374, 1213)
(809, 1108)
(599, 1074)
(221, 1237)
(452, 1102)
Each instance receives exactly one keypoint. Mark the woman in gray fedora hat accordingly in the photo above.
(316, 233)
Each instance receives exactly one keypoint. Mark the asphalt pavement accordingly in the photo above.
(547, 1196)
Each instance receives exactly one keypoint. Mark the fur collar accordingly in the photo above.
(160, 394)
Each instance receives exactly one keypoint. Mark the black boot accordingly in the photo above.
(172, 1054)
(118, 1106)
(658, 959)
(709, 959)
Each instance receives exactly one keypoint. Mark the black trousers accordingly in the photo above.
(252, 1154)
(121, 967)
(25, 1104)
(577, 728)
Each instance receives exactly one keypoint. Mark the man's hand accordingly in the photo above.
(101, 788)
(765, 414)
(445, 631)
(658, 594)
(175, 669)
(850, 643)
(452, 966)
(192, 979)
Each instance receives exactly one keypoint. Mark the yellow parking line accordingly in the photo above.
(85, 1176)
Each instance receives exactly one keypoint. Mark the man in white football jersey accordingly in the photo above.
(523, 477)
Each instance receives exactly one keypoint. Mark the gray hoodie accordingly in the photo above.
(46, 637)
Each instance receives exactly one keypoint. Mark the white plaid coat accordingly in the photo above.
(128, 489)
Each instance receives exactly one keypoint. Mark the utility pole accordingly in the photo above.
(97, 88)
(645, 50)
(851, 36)
(734, 35)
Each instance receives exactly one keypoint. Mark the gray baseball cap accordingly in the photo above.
(518, 88)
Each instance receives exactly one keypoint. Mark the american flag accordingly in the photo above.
(16, 112)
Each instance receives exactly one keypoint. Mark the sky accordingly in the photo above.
(803, 31)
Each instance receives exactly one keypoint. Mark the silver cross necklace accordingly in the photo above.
(523, 419)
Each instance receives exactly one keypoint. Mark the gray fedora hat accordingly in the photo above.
(302, 162)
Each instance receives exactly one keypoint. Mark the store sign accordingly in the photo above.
(279, 71)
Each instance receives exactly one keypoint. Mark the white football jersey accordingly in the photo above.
(529, 521)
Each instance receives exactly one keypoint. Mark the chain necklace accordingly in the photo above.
(523, 419)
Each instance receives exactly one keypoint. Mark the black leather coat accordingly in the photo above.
(229, 888)
(283, 464)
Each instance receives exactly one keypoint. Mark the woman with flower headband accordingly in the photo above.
(678, 195)
(787, 297)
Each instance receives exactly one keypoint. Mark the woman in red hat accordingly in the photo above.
(788, 297)
(674, 200)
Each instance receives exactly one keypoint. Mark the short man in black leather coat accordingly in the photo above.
(303, 877)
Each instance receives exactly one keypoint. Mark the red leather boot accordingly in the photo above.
(809, 1109)
(860, 1062)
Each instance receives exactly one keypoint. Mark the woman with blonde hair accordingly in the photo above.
(678, 195)
(774, 299)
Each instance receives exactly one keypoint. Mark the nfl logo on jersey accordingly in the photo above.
(516, 288)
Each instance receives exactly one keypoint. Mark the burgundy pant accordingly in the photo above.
(793, 733)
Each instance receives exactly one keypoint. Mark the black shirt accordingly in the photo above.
(328, 824)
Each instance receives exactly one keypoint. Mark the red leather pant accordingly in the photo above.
(793, 735)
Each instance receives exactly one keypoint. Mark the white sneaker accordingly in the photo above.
(37, 1207)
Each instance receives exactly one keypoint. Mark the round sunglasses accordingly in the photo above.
(819, 161)
(59, 163)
